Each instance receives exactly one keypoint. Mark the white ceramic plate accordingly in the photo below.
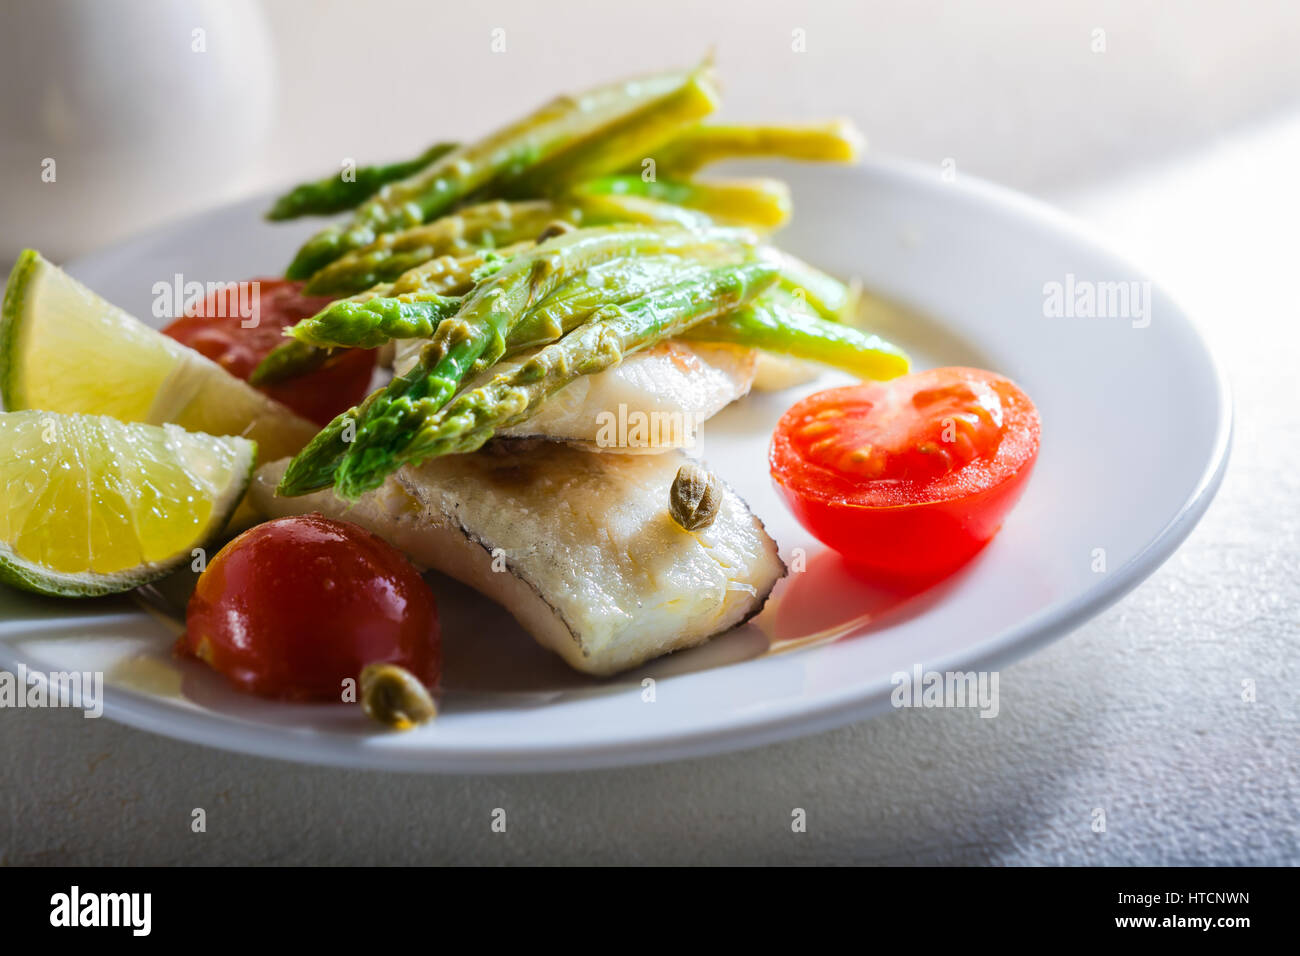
(1136, 425)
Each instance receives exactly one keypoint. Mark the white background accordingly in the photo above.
(1181, 142)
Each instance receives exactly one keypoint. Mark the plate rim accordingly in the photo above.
(732, 732)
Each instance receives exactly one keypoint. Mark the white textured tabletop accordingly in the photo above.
(1140, 712)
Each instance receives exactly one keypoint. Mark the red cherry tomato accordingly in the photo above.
(292, 607)
(910, 478)
(217, 331)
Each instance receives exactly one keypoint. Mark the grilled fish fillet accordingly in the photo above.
(653, 401)
(776, 373)
(579, 547)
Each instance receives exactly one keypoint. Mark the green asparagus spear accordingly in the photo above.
(760, 203)
(610, 283)
(823, 294)
(445, 275)
(623, 141)
(608, 210)
(335, 194)
(488, 225)
(368, 325)
(451, 274)
(375, 321)
(476, 337)
(289, 360)
(482, 167)
(611, 333)
(364, 322)
(387, 311)
(768, 324)
(838, 141)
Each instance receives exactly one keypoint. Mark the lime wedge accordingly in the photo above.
(94, 505)
(64, 349)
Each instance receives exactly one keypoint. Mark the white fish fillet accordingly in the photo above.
(579, 547)
(653, 401)
(776, 373)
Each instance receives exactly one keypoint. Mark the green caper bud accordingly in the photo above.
(694, 498)
(395, 697)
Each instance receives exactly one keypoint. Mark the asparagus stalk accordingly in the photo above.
(610, 209)
(451, 274)
(837, 141)
(372, 322)
(368, 325)
(333, 194)
(476, 337)
(760, 203)
(610, 283)
(769, 324)
(823, 294)
(482, 167)
(349, 324)
(289, 360)
(497, 303)
(624, 141)
(613, 331)
(375, 321)
(445, 275)
(488, 225)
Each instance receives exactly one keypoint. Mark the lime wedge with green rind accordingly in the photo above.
(64, 349)
(93, 505)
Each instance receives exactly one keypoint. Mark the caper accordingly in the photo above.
(395, 697)
(694, 498)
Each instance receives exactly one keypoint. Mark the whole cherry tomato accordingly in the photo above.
(293, 607)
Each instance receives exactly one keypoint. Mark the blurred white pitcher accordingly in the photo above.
(117, 114)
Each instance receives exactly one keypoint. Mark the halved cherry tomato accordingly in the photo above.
(909, 478)
(217, 331)
(293, 607)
